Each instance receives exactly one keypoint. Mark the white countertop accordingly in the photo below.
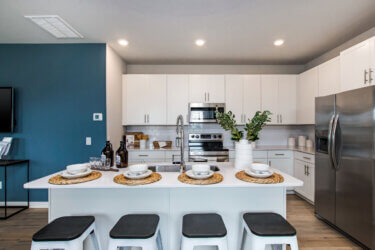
(169, 180)
(257, 148)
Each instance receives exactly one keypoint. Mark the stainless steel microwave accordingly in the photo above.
(204, 112)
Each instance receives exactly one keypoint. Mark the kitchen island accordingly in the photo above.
(169, 198)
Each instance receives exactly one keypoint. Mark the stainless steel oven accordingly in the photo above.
(204, 112)
(207, 148)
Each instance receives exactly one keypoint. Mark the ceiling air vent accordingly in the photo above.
(56, 26)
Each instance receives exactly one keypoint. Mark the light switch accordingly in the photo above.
(98, 117)
(88, 141)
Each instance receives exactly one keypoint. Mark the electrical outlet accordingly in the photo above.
(98, 117)
(1, 185)
(88, 141)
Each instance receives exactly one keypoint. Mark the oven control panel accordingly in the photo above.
(206, 137)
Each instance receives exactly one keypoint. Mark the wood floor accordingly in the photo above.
(16, 232)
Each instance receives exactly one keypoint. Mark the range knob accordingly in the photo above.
(219, 136)
(197, 136)
(214, 136)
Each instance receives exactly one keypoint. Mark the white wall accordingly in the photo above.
(115, 67)
(213, 69)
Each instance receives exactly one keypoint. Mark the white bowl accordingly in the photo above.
(138, 168)
(259, 167)
(77, 168)
(201, 168)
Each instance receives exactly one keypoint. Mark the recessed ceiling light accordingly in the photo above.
(123, 42)
(56, 26)
(200, 42)
(278, 42)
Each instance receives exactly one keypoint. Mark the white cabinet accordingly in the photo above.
(307, 90)
(242, 96)
(207, 88)
(279, 97)
(304, 169)
(146, 156)
(329, 77)
(287, 99)
(270, 89)
(177, 97)
(145, 98)
(357, 66)
(281, 160)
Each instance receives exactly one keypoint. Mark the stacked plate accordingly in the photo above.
(76, 171)
(137, 171)
(259, 170)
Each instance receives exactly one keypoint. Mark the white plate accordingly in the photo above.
(263, 174)
(134, 176)
(67, 175)
(191, 174)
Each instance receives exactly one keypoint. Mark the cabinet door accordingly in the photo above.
(198, 85)
(372, 66)
(270, 85)
(284, 165)
(287, 99)
(307, 90)
(329, 77)
(310, 187)
(299, 173)
(177, 97)
(234, 96)
(157, 100)
(354, 63)
(216, 88)
(136, 99)
(251, 96)
(124, 98)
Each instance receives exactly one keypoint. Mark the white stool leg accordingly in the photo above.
(159, 241)
(294, 244)
(223, 244)
(186, 244)
(74, 245)
(242, 235)
(112, 244)
(95, 239)
(34, 246)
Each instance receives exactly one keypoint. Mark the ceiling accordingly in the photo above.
(164, 31)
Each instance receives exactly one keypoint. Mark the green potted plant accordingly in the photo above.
(252, 128)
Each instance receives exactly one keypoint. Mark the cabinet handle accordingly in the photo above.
(205, 96)
(281, 118)
(370, 71)
(307, 158)
(148, 118)
(143, 155)
(145, 118)
(269, 163)
(365, 77)
(279, 154)
(277, 118)
(208, 95)
(307, 171)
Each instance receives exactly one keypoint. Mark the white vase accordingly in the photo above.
(243, 155)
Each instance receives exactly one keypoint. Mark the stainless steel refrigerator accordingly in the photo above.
(344, 182)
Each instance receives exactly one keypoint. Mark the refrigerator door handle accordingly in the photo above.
(333, 146)
(330, 140)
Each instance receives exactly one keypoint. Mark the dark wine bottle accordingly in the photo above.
(122, 155)
(108, 151)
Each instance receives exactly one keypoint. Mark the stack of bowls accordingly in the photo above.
(244, 155)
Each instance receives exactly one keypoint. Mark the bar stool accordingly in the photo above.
(136, 230)
(66, 233)
(268, 228)
(203, 230)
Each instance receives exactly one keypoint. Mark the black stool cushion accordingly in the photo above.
(135, 226)
(203, 226)
(268, 224)
(64, 228)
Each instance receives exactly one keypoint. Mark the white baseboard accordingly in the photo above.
(33, 204)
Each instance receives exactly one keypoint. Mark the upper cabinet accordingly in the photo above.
(242, 96)
(279, 97)
(357, 65)
(307, 90)
(177, 97)
(207, 88)
(145, 99)
(329, 77)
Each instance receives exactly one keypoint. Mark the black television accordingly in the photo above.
(6, 109)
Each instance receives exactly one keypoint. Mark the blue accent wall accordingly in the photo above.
(58, 87)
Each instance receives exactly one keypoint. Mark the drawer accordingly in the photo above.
(146, 155)
(280, 154)
(305, 157)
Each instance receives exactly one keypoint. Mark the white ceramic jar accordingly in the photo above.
(243, 155)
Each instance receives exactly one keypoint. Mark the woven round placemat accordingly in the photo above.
(216, 178)
(274, 178)
(121, 179)
(59, 180)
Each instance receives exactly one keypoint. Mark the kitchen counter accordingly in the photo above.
(168, 198)
(257, 148)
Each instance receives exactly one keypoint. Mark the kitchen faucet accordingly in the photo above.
(181, 137)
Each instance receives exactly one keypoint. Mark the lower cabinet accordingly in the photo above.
(305, 171)
(139, 156)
